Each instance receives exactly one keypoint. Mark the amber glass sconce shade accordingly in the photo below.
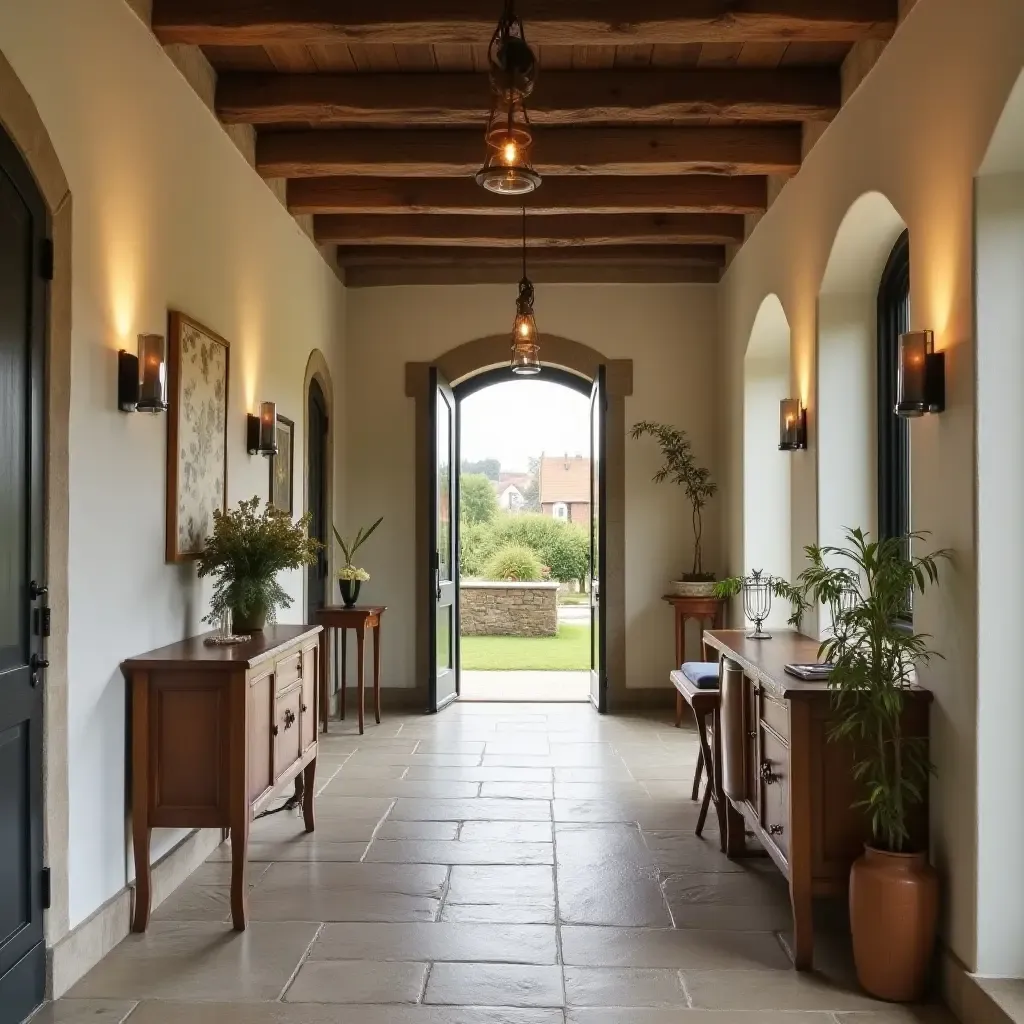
(792, 425)
(261, 431)
(142, 379)
(921, 375)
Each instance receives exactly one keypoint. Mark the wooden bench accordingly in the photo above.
(705, 705)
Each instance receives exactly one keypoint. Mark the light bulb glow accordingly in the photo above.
(510, 152)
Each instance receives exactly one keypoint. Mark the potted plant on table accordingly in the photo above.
(247, 550)
(351, 577)
(873, 652)
(680, 466)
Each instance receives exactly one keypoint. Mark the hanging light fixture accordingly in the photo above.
(507, 168)
(525, 350)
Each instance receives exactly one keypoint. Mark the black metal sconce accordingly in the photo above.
(921, 378)
(261, 431)
(792, 425)
(142, 379)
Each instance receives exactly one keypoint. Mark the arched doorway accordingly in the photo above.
(317, 491)
(468, 361)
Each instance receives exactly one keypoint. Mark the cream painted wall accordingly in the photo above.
(916, 130)
(166, 214)
(669, 332)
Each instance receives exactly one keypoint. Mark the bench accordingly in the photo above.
(704, 703)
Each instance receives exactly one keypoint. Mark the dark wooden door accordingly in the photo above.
(23, 234)
(444, 547)
(598, 530)
(317, 583)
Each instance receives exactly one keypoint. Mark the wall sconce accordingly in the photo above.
(921, 379)
(261, 431)
(142, 379)
(792, 425)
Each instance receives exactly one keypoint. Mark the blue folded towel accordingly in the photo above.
(703, 674)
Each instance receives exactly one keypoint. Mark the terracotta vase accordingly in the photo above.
(894, 910)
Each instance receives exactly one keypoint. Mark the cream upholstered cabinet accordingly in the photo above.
(216, 731)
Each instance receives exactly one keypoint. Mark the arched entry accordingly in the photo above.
(317, 474)
(468, 361)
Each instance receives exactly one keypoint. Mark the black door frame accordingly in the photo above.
(23, 980)
(315, 394)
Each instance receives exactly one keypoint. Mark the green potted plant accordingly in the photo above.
(247, 550)
(351, 577)
(680, 466)
(873, 652)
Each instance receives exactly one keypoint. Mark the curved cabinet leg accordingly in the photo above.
(239, 851)
(308, 793)
(140, 801)
(143, 887)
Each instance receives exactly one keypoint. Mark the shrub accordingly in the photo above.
(513, 563)
(569, 554)
(476, 545)
(479, 503)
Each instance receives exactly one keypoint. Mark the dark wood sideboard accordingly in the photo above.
(784, 779)
(215, 732)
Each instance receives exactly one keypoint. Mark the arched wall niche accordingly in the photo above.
(847, 432)
(767, 520)
(999, 451)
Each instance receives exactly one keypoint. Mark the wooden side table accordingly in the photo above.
(337, 619)
(700, 610)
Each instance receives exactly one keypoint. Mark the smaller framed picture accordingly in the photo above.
(282, 467)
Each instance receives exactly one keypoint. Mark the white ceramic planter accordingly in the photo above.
(683, 588)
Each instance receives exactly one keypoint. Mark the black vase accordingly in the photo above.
(349, 592)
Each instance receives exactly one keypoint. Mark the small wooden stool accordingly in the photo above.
(338, 619)
(704, 704)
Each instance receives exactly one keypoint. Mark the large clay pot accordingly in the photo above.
(894, 909)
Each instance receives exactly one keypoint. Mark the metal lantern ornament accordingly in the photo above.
(508, 168)
(757, 603)
(921, 376)
(525, 350)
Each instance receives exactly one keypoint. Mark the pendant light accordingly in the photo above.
(507, 168)
(525, 350)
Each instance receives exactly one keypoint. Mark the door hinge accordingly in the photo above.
(42, 621)
(46, 260)
(46, 888)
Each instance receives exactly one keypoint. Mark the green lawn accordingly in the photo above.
(567, 652)
(574, 599)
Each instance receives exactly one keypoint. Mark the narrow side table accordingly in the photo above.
(337, 619)
(701, 610)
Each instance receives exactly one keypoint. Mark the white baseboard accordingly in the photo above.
(84, 946)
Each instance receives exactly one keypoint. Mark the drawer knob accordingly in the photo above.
(775, 830)
(289, 718)
(752, 734)
(275, 730)
(303, 709)
(768, 777)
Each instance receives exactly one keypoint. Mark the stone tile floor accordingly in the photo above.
(498, 863)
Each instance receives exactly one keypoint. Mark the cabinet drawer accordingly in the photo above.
(776, 714)
(775, 789)
(288, 671)
(286, 737)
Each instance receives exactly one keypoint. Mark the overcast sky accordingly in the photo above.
(514, 420)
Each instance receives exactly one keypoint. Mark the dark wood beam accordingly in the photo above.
(561, 97)
(359, 276)
(647, 255)
(575, 151)
(548, 22)
(571, 230)
(695, 193)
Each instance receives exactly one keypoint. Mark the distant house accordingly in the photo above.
(565, 487)
(510, 488)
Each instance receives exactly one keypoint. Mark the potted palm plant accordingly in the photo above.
(874, 652)
(247, 550)
(681, 467)
(351, 577)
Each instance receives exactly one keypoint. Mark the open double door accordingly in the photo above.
(443, 546)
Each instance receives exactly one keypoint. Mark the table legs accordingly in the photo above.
(696, 775)
(325, 675)
(308, 793)
(361, 674)
(376, 671)
(344, 669)
(240, 817)
(706, 757)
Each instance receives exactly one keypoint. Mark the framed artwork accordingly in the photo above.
(197, 425)
(281, 467)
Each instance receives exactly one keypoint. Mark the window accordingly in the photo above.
(561, 510)
(893, 432)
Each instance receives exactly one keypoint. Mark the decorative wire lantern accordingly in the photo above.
(525, 350)
(849, 598)
(757, 603)
(508, 167)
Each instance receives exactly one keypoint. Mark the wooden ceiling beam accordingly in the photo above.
(548, 22)
(414, 273)
(646, 255)
(561, 97)
(571, 151)
(571, 230)
(694, 193)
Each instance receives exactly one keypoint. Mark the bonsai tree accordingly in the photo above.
(247, 550)
(873, 656)
(681, 468)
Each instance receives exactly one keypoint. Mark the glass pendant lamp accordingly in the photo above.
(525, 349)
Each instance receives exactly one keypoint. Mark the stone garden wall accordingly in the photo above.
(508, 609)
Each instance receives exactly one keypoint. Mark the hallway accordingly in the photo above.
(527, 864)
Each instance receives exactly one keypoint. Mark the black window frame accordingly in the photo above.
(893, 430)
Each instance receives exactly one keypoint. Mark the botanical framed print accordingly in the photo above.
(282, 467)
(197, 425)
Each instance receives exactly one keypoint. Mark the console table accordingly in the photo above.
(341, 619)
(215, 732)
(784, 779)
